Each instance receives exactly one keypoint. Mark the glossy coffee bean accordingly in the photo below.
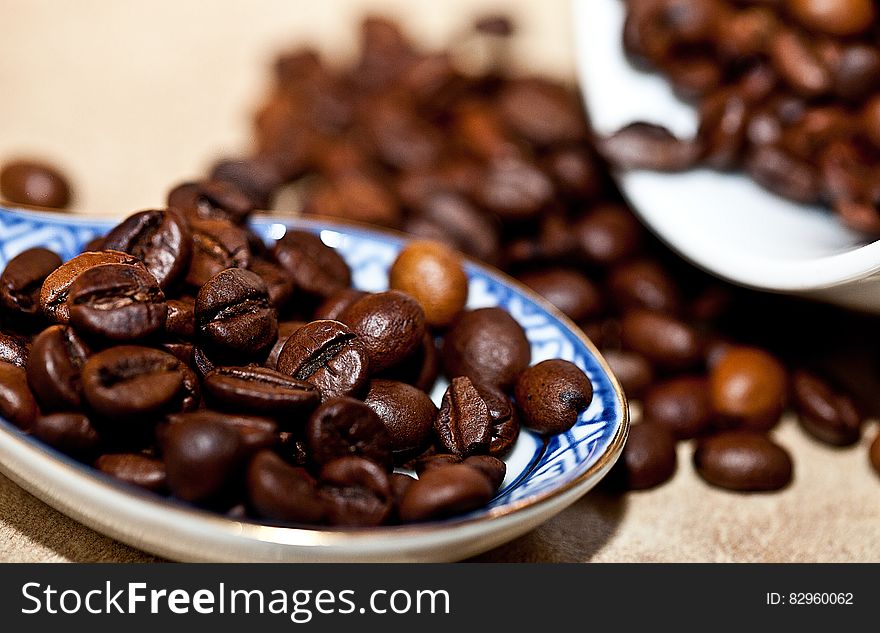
(17, 403)
(180, 320)
(201, 458)
(255, 177)
(643, 284)
(337, 303)
(487, 345)
(22, 280)
(14, 349)
(255, 433)
(212, 200)
(648, 146)
(463, 425)
(551, 395)
(682, 405)
(648, 458)
(567, 289)
(356, 492)
(134, 469)
(279, 285)
(834, 17)
(515, 189)
(217, 245)
(316, 268)
(54, 366)
(492, 468)
(233, 315)
(743, 460)
(435, 460)
(390, 325)
(443, 492)
(260, 390)
(662, 339)
(55, 288)
(432, 274)
(70, 433)
(748, 387)
(285, 329)
(407, 413)
(504, 419)
(34, 183)
(828, 415)
(632, 370)
(117, 302)
(277, 490)
(328, 355)
(608, 235)
(344, 427)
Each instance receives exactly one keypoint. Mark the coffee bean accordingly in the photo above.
(14, 349)
(643, 284)
(184, 352)
(180, 320)
(134, 469)
(608, 235)
(116, 302)
(515, 189)
(263, 391)
(358, 196)
(748, 387)
(681, 405)
(561, 117)
(420, 369)
(70, 433)
(355, 491)
(54, 365)
(233, 315)
(400, 483)
(328, 355)
(505, 424)
(34, 183)
(743, 460)
(285, 329)
(254, 433)
(662, 339)
(838, 17)
(407, 413)
(23, 278)
(648, 458)
(567, 289)
(487, 345)
(315, 268)
(430, 462)
(648, 146)
(390, 325)
(256, 177)
(451, 218)
(497, 25)
(433, 275)
(552, 394)
(632, 370)
(576, 172)
(212, 200)
(17, 403)
(463, 425)
(344, 427)
(825, 413)
(492, 468)
(217, 245)
(279, 285)
(282, 492)
(782, 173)
(444, 492)
(334, 305)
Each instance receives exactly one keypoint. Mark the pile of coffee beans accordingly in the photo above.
(183, 355)
(787, 91)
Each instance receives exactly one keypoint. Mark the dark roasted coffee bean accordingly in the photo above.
(429, 462)
(488, 345)
(632, 370)
(420, 369)
(14, 349)
(263, 391)
(552, 394)
(515, 189)
(334, 305)
(463, 425)
(444, 492)
(432, 274)
(568, 290)
(407, 413)
(648, 146)
(798, 63)
(328, 355)
(201, 458)
(285, 329)
(255, 433)
(681, 405)
(217, 245)
(180, 321)
(748, 388)
(503, 417)
(160, 239)
(834, 17)
(282, 492)
(17, 403)
(70, 433)
(279, 284)
(23, 278)
(54, 365)
(34, 183)
(355, 491)
(663, 340)
(117, 302)
(390, 325)
(256, 177)
(399, 482)
(643, 284)
(184, 352)
(648, 459)
(608, 235)
(233, 315)
(343, 427)
(724, 117)
(576, 172)
(742, 460)
(543, 112)
(134, 469)
(493, 468)
(53, 293)
(828, 415)
(356, 196)
(212, 200)
(779, 172)
(451, 218)
(315, 267)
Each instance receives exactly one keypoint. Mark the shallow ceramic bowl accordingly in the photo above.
(723, 222)
(544, 475)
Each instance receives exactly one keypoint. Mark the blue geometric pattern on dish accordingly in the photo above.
(536, 465)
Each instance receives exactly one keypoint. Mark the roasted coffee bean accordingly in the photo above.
(292, 447)
(682, 405)
(748, 388)
(355, 491)
(452, 219)
(429, 462)
(503, 417)
(17, 403)
(337, 303)
(798, 63)
(233, 315)
(282, 492)
(782, 173)
(256, 177)
(632, 370)
(160, 239)
(54, 365)
(743, 460)
(608, 235)
(70, 433)
(53, 293)
(552, 394)
(14, 349)
(493, 468)
(487, 345)
(390, 325)
(357, 196)
(444, 492)
(34, 183)
(328, 355)
(263, 391)
(662, 339)
(279, 284)
(217, 245)
(498, 25)
(576, 172)
(315, 268)
(399, 482)
(643, 284)
(825, 413)
(255, 433)
(420, 369)
(407, 413)
(433, 275)
(134, 469)
(648, 146)
(184, 352)
(201, 458)
(561, 119)
(463, 425)
(212, 200)
(567, 289)
(515, 189)
(834, 17)
(285, 329)
(117, 302)
(180, 320)
(344, 427)
(648, 458)
(23, 278)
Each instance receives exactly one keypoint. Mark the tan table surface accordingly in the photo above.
(131, 97)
